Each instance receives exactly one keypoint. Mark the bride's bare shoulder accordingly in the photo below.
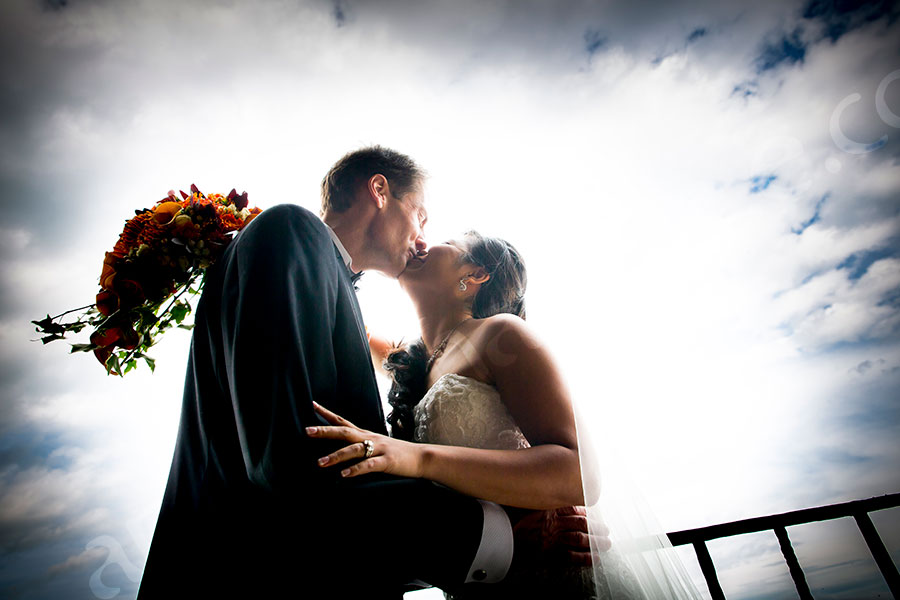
(502, 321)
(502, 334)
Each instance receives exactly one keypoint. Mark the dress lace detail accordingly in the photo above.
(461, 411)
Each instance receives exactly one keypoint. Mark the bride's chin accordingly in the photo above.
(410, 270)
(410, 286)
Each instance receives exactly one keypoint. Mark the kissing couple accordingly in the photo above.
(285, 478)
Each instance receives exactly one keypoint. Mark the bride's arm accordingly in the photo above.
(547, 475)
(380, 347)
(544, 476)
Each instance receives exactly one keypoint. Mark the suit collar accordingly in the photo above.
(345, 256)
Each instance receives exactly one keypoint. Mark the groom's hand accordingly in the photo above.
(557, 536)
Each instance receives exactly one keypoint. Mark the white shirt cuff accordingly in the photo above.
(495, 551)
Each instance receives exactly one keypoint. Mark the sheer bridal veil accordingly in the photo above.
(642, 564)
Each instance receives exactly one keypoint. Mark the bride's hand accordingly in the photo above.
(389, 455)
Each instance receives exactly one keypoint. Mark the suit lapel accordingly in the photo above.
(347, 281)
(346, 278)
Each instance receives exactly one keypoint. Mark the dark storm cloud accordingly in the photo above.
(839, 17)
(823, 19)
(338, 12)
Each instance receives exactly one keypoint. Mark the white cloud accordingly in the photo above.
(91, 557)
(831, 308)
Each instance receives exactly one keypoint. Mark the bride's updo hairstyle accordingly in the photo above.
(503, 292)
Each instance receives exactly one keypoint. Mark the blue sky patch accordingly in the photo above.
(839, 17)
(817, 216)
(337, 11)
(746, 89)
(696, 34)
(859, 262)
(594, 41)
(789, 49)
(761, 182)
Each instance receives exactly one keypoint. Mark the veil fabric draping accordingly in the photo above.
(642, 564)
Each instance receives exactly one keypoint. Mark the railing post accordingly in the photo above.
(709, 570)
(793, 564)
(879, 552)
(859, 509)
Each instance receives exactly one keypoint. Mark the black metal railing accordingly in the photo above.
(858, 509)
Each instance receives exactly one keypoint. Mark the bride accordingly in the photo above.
(480, 406)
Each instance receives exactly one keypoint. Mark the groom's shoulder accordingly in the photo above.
(288, 213)
(286, 218)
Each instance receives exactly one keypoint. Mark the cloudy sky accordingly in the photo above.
(706, 194)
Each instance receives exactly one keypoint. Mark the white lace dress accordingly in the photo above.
(461, 411)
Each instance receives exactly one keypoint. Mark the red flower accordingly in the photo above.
(109, 270)
(123, 336)
(240, 202)
(230, 222)
(130, 292)
(107, 303)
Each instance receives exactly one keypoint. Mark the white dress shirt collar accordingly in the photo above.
(348, 260)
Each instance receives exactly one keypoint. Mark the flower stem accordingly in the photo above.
(184, 287)
(73, 310)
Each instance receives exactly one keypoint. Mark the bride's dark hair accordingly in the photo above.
(503, 292)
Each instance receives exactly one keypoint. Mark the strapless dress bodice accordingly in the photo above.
(462, 411)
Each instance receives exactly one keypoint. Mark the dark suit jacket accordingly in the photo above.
(247, 509)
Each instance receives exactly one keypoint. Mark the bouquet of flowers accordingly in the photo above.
(157, 264)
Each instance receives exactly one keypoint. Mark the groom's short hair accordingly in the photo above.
(343, 179)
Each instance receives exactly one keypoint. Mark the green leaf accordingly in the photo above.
(113, 367)
(81, 348)
(150, 362)
(48, 326)
(131, 364)
(147, 315)
(188, 327)
(51, 338)
(180, 310)
(43, 323)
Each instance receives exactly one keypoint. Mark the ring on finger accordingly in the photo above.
(370, 447)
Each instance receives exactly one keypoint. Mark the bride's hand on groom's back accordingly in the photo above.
(375, 452)
(557, 536)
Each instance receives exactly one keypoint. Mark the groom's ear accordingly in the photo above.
(378, 190)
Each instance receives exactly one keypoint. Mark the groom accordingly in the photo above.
(246, 510)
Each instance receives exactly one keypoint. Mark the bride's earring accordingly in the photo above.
(462, 285)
